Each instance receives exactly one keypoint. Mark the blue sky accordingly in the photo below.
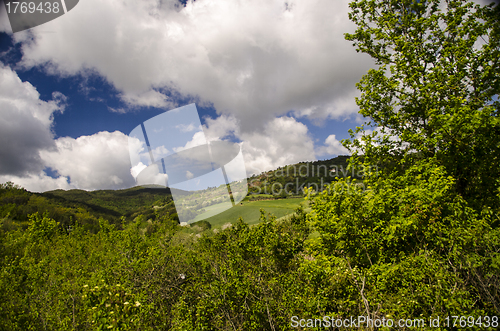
(279, 80)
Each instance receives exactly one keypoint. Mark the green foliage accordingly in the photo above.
(111, 307)
(242, 277)
(69, 208)
(419, 237)
(245, 277)
(41, 228)
(433, 94)
(410, 239)
(204, 225)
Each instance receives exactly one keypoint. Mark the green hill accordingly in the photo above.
(84, 207)
(118, 206)
(292, 179)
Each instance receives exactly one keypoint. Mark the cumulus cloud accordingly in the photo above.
(220, 127)
(99, 161)
(28, 147)
(332, 146)
(136, 170)
(149, 99)
(253, 59)
(281, 141)
(38, 182)
(197, 140)
(285, 141)
(25, 124)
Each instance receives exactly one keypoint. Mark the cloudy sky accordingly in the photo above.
(275, 76)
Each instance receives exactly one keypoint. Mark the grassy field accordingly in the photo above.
(250, 211)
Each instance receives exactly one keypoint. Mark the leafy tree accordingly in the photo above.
(416, 247)
(245, 278)
(111, 307)
(41, 228)
(434, 93)
(421, 236)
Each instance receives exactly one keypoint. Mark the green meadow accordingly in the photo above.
(250, 211)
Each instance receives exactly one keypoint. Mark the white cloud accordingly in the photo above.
(28, 146)
(149, 99)
(38, 182)
(253, 59)
(25, 133)
(284, 141)
(186, 128)
(119, 110)
(159, 152)
(220, 127)
(25, 124)
(99, 161)
(136, 170)
(332, 146)
(197, 140)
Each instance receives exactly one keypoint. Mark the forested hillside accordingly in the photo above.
(122, 206)
(84, 208)
(292, 179)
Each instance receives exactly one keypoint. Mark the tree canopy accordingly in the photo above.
(435, 91)
(421, 235)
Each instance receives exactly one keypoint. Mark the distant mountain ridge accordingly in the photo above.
(84, 207)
